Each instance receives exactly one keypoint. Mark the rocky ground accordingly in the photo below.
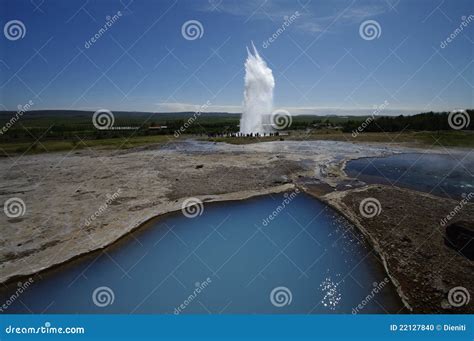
(123, 189)
(409, 237)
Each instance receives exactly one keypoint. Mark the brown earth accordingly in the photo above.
(62, 190)
(409, 237)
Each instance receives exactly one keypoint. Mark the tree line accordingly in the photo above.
(429, 121)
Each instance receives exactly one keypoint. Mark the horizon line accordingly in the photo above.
(353, 112)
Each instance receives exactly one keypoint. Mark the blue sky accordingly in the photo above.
(320, 62)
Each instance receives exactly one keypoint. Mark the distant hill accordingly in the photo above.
(124, 114)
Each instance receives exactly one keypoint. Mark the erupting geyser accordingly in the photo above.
(258, 95)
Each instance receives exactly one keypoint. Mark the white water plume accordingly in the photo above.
(258, 95)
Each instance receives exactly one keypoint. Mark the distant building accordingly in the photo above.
(157, 127)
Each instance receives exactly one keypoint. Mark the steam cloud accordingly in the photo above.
(258, 95)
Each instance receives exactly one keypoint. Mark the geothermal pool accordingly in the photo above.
(447, 175)
(312, 259)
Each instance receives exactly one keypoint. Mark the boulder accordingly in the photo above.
(460, 237)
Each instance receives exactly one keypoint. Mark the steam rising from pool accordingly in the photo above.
(258, 95)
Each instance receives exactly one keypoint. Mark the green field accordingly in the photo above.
(415, 139)
(56, 146)
(52, 131)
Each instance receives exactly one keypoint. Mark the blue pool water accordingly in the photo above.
(448, 175)
(312, 259)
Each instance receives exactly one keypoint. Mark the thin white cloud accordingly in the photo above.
(308, 110)
(310, 21)
(182, 107)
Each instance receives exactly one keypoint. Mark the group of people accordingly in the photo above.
(242, 134)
